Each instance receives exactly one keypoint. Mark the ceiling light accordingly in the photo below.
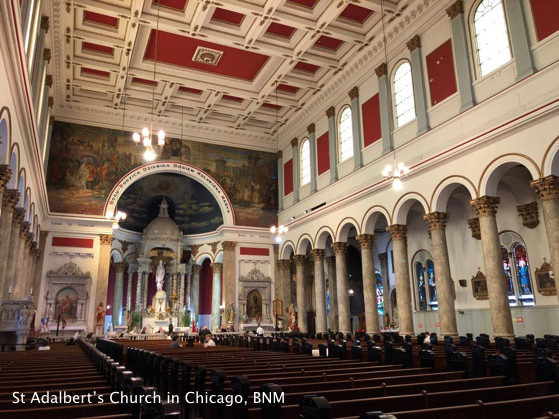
(396, 174)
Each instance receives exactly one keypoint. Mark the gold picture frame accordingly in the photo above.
(545, 280)
(479, 286)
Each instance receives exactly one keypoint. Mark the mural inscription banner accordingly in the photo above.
(85, 163)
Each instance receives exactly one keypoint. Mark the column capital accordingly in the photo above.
(29, 239)
(318, 254)
(331, 112)
(105, 239)
(5, 176)
(485, 205)
(455, 9)
(300, 260)
(473, 223)
(294, 142)
(119, 266)
(45, 23)
(217, 267)
(196, 269)
(383, 257)
(340, 248)
(365, 240)
(229, 245)
(33, 251)
(279, 155)
(546, 187)
(23, 230)
(10, 198)
(330, 261)
(311, 128)
(529, 214)
(397, 231)
(43, 236)
(381, 70)
(48, 80)
(18, 216)
(436, 220)
(414, 43)
(283, 264)
(354, 93)
(47, 55)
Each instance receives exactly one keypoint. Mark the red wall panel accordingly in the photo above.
(440, 71)
(206, 279)
(546, 17)
(72, 242)
(323, 153)
(371, 120)
(255, 251)
(288, 177)
(110, 291)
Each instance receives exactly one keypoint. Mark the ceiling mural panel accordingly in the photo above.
(85, 162)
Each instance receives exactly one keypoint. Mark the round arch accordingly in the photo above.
(550, 161)
(219, 256)
(371, 218)
(304, 241)
(202, 257)
(117, 256)
(286, 250)
(14, 166)
(322, 236)
(31, 217)
(444, 190)
(495, 170)
(177, 167)
(21, 188)
(5, 134)
(343, 228)
(403, 205)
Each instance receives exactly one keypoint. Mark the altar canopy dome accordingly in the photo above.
(163, 225)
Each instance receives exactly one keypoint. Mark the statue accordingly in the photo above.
(160, 275)
(231, 313)
(292, 316)
(100, 315)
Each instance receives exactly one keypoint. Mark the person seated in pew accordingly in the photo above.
(43, 345)
(77, 334)
(174, 343)
(427, 338)
(135, 330)
(208, 341)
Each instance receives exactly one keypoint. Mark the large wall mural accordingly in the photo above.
(85, 162)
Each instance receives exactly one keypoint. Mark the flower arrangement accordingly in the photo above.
(64, 322)
(294, 328)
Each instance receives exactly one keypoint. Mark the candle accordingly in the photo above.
(10, 290)
(31, 290)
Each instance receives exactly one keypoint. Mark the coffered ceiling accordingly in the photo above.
(231, 66)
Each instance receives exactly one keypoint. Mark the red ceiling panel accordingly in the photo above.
(98, 48)
(234, 62)
(306, 67)
(306, 3)
(190, 90)
(328, 42)
(232, 98)
(172, 4)
(143, 81)
(356, 13)
(228, 16)
(93, 72)
(287, 88)
(100, 19)
(271, 106)
(280, 30)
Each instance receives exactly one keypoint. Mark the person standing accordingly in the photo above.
(171, 326)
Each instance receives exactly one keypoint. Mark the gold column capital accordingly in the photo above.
(381, 70)
(217, 267)
(300, 260)
(365, 240)
(546, 187)
(105, 239)
(294, 142)
(485, 205)
(229, 245)
(283, 264)
(397, 231)
(340, 248)
(414, 43)
(318, 254)
(331, 112)
(311, 129)
(354, 93)
(436, 220)
(10, 198)
(5, 176)
(456, 9)
(196, 269)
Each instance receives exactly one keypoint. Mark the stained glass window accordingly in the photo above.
(522, 268)
(346, 135)
(433, 302)
(508, 275)
(379, 291)
(305, 162)
(491, 34)
(403, 94)
(421, 295)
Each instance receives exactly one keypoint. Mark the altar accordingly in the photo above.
(154, 323)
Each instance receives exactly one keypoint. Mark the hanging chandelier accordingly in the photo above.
(147, 133)
(279, 231)
(118, 217)
(396, 174)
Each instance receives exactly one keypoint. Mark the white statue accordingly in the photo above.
(160, 276)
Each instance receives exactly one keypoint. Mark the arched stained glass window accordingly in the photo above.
(431, 282)
(379, 292)
(492, 40)
(345, 140)
(508, 275)
(305, 162)
(403, 94)
(420, 277)
(522, 269)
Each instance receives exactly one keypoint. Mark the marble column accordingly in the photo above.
(27, 266)
(33, 261)
(283, 287)
(402, 275)
(319, 287)
(280, 181)
(117, 295)
(312, 148)
(300, 262)
(486, 209)
(356, 125)
(332, 287)
(5, 176)
(37, 282)
(105, 241)
(216, 295)
(447, 315)
(296, 164)
(383, 260)
(18, 281)
(9, 200)
(13, 251)
(384, 101)
(196, 269)
(340, 248)
(332, 143)
(229, 257)
(138, 306)
(461, 55)
(414, 45)
(132, 268)
(369, 283)
(547, 189)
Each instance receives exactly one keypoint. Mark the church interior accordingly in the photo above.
(331, 190)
